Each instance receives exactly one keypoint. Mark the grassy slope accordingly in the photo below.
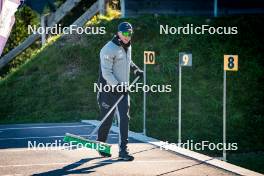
(57, 85)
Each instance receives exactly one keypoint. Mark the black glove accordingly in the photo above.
(121, 89)
(139, 73)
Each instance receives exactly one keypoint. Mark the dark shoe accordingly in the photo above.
(103, 154)
(125, 156)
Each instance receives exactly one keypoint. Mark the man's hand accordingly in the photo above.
(139, 73)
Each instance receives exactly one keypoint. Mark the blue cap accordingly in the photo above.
(124, 27)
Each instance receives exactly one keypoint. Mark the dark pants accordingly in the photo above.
(106, 101)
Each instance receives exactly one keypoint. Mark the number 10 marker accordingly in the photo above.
(149, 58)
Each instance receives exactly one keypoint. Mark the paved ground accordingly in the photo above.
(16, 159)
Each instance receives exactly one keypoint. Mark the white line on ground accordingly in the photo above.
(43, 137)
(43, 127)
(101, 162)
(30, 150)
(59, 148)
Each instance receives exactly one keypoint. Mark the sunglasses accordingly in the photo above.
(127, 34)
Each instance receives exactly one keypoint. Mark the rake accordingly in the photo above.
(92, 144)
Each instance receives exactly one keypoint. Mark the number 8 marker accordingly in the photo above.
(231, 62)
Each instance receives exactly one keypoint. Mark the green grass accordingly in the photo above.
(57, 84)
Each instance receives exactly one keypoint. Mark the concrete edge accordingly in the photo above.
(197, 156)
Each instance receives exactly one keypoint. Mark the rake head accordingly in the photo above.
(80, 141)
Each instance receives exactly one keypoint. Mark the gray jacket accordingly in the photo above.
(115, 63)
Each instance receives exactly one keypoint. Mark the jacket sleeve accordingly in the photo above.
(107, 59)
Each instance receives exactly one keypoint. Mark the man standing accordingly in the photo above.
(115, 66)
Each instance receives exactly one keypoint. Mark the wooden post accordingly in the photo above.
(43, 36)
(123, 9)
(102, 7)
